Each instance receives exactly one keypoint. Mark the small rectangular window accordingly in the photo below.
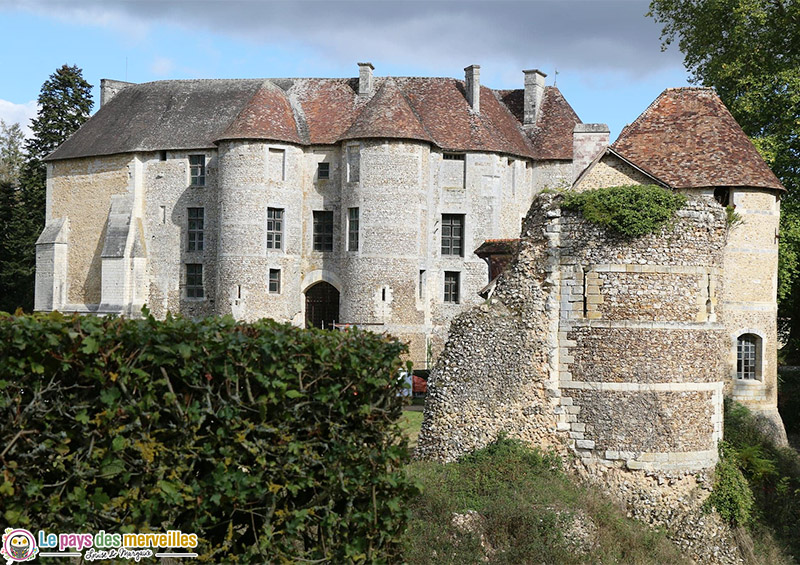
(453, 234)
(323, 171)
(197, 170)
(277, 164)
(422, 284)
(453, 156)
(274, 281)
(451, 286)
(352, 229)
(194, 280)
(274, 228)
(323, 230)
(162, 155)
(195, 235)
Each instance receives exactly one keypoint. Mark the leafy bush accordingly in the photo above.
(270, 442)
(773, 474)
(731, 495)
(631, 211)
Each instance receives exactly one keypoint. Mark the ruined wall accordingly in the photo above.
(629, 354)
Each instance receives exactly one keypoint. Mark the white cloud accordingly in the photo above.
(12, 113)
(162, 66)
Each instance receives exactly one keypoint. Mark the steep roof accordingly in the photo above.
(195, 114)
(387, 115)
(688, 139)
(170, 114)
(551, 136)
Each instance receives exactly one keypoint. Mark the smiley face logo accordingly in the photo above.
(19, 545)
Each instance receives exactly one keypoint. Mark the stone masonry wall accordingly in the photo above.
(628, 358)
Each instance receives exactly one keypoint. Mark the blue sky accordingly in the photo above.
(607, 53)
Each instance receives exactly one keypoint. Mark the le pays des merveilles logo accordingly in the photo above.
(18, 545)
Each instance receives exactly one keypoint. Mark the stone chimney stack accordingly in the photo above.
(588, 141)
(534, 93)
(110, 88)
(365, 79)
(472, 86)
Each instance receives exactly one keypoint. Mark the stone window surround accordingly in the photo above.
(274, 281)
(281, 247)
(191, 290)
(276, 150)
(197, 169)
(761, 368)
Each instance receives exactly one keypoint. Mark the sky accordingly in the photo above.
(604, 56)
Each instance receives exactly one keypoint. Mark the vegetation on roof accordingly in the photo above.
(630, 211)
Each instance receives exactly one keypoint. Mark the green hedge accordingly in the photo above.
(273, 444)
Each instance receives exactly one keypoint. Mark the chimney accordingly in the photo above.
(472, 86)
(534, 93)
(588, 141)
(110, 88)
(365, 79)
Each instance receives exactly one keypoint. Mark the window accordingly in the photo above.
(451, 284)
(277, 164)
(453, 234)
(323, 230)
(453, 156)
(352, 229)
(748, 357)
(195, 239)
(162, 155)
(422, 284)
(323, 171)
(194, 280)
(274, 281)
(353, 163)
(197, 170)
(274, 228)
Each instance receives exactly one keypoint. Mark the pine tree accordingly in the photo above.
(12, 152)
(65, 103)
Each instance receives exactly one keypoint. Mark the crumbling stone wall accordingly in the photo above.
(612, 347)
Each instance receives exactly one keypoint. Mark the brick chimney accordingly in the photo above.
(365, 79)
(534, 93)
(110, 88)
(472, 86)
(588, 141)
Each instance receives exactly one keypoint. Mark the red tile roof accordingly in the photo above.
(688, 139)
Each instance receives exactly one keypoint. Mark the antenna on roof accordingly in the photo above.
(555, 77)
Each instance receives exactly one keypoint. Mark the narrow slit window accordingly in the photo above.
(352, 229)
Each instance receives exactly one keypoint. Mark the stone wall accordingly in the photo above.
(625, 351)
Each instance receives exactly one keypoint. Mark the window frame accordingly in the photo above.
(749, 355)
(197, 171)
(353, 235)
(326, 169)
(452, 287)
(194, 289)
(447, 241)
(322, 231)
(195, 228)
(275, 239)
(276, 281)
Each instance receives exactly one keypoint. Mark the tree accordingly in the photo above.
(12, 153)
(65, 103)
(749, 51)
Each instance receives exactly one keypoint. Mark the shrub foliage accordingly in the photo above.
(631, 211)
(273, 444)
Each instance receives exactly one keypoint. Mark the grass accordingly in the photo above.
(529, 512)
(411, 422)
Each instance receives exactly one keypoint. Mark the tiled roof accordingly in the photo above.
(387, 116)
(688, 139)
(551, 136)
(194, 114)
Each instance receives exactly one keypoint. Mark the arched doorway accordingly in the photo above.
(322, 306)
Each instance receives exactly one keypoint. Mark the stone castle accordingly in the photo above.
(393, 203)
